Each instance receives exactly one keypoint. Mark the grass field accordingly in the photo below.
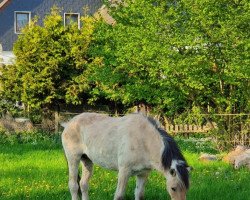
(39, 171)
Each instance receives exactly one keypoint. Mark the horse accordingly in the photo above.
(133, 145)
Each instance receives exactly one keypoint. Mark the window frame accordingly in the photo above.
(15, 20)
(72, 13)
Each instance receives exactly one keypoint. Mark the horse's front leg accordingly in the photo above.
(123, 176)
(87, 170)
(140, 185)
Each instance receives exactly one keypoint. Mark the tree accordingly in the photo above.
(135, 53)
(219, 42)
(176, 55)
(50, 62)
(180, 57)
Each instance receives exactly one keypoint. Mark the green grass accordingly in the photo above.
(39, 171)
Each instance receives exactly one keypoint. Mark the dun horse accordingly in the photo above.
(133, 145)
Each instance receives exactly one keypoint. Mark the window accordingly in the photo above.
(71, 18)
(21, 20)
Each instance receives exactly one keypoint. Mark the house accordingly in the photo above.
(15, 14)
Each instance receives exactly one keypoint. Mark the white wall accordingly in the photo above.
(6, 57)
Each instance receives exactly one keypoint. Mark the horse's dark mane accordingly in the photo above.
(172, 152)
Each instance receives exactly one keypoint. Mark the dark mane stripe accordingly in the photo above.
(172, 152)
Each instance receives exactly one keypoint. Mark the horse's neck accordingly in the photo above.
(156, 146)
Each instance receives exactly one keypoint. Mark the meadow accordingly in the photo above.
(38, 170)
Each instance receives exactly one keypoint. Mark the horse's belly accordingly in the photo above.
(104, 158)
(102, 146)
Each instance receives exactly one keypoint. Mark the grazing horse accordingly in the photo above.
(133, 145)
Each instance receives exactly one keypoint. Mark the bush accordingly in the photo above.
(35, 137)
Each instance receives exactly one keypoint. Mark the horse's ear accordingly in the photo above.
(172, 172)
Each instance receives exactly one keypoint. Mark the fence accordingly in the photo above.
(230, 129)
(190, 128)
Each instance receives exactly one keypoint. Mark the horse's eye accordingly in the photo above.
(174, 189)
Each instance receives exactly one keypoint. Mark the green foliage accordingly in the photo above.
(133, 52)
(183, 58)
(33, 137)
(190, 116)
(6, 106)
(176, 55)
(218, 30)
(50, 62)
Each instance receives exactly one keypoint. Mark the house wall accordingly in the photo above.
(1, 59)
(40, 8)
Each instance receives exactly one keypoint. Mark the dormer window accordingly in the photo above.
(22, 18)
(72, 18)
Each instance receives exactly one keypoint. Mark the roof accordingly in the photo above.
(103, 12)
(3, 3)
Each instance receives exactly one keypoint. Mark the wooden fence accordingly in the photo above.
(242, 126)
(172, 129)
(190, 128)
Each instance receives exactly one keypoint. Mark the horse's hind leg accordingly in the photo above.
(123, 177)
(87, 170)
(140, 185)
(73, 164)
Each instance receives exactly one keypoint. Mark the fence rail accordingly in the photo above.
(236, 126)
(189, 128)
(170, 128)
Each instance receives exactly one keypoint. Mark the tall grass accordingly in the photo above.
(39, 171)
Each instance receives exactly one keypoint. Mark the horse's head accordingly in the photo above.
(174, 165)
(178, 181)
